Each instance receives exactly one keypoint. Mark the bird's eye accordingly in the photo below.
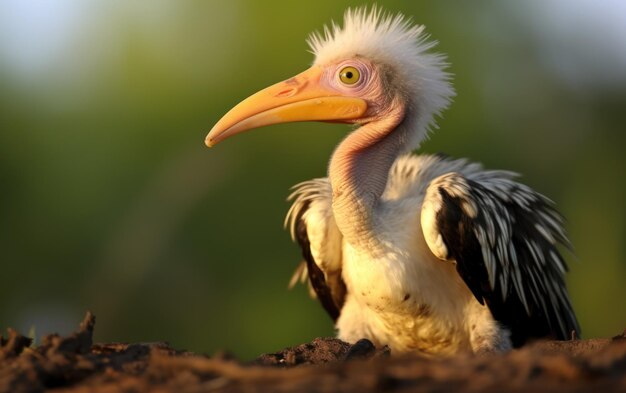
(349, 75)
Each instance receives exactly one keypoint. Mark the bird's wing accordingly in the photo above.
(503, 237)
(312, 224)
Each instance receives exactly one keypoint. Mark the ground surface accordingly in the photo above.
(75, 364)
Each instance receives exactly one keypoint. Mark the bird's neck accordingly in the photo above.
(358, 172)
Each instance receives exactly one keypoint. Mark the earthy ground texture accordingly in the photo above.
(76, 364)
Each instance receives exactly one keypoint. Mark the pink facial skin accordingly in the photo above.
(369, 87)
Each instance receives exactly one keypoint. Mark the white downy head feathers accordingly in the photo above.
(392, 40)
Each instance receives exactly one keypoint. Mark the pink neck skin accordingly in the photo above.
(358, 173)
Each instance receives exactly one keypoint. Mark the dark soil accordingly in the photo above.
(76, 364)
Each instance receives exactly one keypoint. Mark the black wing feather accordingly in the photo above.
(316, 275)
(525, 314)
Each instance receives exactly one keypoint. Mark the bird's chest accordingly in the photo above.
(401, 294)
(397, 268)
(401, 280)
(377, 281)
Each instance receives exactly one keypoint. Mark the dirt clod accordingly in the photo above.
(13, 345)
(75, 364)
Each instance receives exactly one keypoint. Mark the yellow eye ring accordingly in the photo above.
(349, 75)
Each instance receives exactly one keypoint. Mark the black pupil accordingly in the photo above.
(349, 74)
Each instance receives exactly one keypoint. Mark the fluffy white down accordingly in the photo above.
(398, 43)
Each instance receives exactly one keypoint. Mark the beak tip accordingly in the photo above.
(209, 142)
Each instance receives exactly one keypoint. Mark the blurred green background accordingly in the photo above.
(110, 201)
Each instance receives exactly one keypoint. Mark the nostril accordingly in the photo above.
(286, 92)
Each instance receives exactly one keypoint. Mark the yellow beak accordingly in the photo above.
(301, 98)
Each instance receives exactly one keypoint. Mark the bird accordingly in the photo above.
(422, 253)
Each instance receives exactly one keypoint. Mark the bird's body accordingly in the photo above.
(421, 253)
(402, 294)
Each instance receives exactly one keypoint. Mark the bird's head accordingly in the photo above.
(375, 67)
